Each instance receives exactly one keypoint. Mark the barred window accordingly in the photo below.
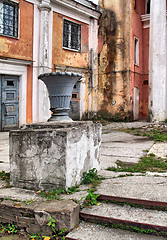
(71, 35)
(9, 18)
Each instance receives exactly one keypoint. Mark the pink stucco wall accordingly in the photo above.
(139, 74)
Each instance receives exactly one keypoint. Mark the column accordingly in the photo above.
(157, 61)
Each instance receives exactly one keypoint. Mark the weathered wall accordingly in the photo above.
(21, 48)
(62, 56)
(78, 61)
(114, 60)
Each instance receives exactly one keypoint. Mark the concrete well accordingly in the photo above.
(53, 155)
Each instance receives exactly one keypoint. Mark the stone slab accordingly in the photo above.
(141, 187)
(18, 194)
(89, 231)
(128, 213)
(35, 216)
(159, 149)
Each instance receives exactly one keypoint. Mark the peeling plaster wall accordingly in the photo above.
(114, 60)
(78, 61)
(21, 48)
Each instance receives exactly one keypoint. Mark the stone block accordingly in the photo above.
(49, 155)
(35, 216)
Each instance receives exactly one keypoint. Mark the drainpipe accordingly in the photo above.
(92, 66)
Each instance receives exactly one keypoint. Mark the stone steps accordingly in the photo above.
(130, 217)
(92, 231)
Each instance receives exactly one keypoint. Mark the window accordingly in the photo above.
(136, 51)
(71, 35)
(9, 18)
(148, 5)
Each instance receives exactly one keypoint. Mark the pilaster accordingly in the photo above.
(157, 61)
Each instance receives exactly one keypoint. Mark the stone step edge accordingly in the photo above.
(69, 238)
(142, 202)
(110, 221)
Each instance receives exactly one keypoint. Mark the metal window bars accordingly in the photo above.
(71, 35)
(9, 18)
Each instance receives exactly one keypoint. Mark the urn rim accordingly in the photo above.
(71, 74)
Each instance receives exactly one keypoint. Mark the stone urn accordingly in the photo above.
(60, 86)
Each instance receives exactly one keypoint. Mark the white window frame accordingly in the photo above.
(136, 51)
(69, 37)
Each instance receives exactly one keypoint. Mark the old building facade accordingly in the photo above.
(132, 71)
(44, 36)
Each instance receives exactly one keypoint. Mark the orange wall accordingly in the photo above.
(21, 48)
(139, 74)
(65, 57)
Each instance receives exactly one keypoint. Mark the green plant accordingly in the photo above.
(60, 232)
(27, 202)
(165, 120)
(52, 224)
(91, 198)
(52, 194)
(147, 163)
(91, 177)
(8, 228)
(5, 176)
(73, 190)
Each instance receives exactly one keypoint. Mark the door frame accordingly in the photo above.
(7, 103)
(16, 67)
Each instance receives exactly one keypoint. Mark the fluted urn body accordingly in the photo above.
(60, 86)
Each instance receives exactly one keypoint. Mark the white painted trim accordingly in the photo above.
(35, 90)
(15, 61)
(8, 68)
(71, 9)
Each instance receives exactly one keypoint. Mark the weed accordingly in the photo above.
(53, 194)
(146, 150)
(56, 234)
(91, 177)
(27, 202)
(8, 228)
(60, 232)
(73, 190)
(165, 120)
(91, 198)
(147, 163)
(156, 134)
(5, 176)
(138, 134)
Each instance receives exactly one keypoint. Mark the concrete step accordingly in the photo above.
(152, 188)
(114, 214)
(92, 231)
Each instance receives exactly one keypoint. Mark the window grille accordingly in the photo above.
(9, 18)
(71, 35)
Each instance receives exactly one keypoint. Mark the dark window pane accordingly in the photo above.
(10, 83)
(71, 35)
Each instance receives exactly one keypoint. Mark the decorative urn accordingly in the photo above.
(60, 86)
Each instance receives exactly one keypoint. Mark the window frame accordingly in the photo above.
(69, 37)
(136, 51)
(15, 28)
